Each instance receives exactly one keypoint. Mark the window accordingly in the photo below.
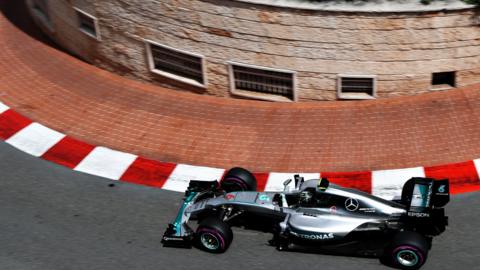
(262, 82)
(87, 24)
(40, 10)
(443, 80)
(356, 87)
(176, 64)
(41, 6)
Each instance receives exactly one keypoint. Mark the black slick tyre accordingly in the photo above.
(408, 250)
(213, 235)
(239, 179)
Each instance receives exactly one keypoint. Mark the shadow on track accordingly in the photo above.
(17, 13)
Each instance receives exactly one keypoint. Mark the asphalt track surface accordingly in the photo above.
(55, 218)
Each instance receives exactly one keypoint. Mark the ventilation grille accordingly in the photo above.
(177, 63)
(263, 81)
(357, 85)
(87, 24)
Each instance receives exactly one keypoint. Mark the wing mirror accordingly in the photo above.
(298, 181)
(286, 183)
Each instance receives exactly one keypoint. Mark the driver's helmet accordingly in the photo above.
(306, 197)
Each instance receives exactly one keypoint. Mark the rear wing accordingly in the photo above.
(423, 194)
(424, 199)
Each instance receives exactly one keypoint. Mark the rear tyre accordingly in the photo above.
(408, 250)
(239, 179)
(213, 235)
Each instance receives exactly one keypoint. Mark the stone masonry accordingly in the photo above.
(402, 49)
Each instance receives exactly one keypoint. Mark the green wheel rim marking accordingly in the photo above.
(407, 258)
(209, 241)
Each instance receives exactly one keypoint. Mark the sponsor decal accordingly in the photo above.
(441, 188)
(333, 209)
(368, 210)
(421, 195)
(230, 196)
(351, 204)
(317, 236)
(264, 197)
(414, 214)
(172, 238)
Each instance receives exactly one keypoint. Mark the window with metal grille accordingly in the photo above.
(40, 8)
(87, 23)
(443, 80)
(356, 86)
(263, 80)
(176, 64)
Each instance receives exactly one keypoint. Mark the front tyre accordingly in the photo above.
(213, 235)
(409, 250)
(239, 179)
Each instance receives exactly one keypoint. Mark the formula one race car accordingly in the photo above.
(315, 215)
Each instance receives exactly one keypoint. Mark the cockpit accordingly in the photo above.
(310, 193)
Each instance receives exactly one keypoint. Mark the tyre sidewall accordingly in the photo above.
(220, 238)
(419, 254)
(411, 242)
(217, 228)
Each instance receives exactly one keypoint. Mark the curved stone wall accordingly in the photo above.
(402, 49)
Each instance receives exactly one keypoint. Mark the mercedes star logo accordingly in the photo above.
(351, 204)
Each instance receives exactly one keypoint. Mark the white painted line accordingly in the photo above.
(477, 165)
(35, 139)
(3, 108)
(106, 162)
(182, 174)
(275, 180)
(388, 184)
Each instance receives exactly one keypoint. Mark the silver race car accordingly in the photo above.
(315, 216)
